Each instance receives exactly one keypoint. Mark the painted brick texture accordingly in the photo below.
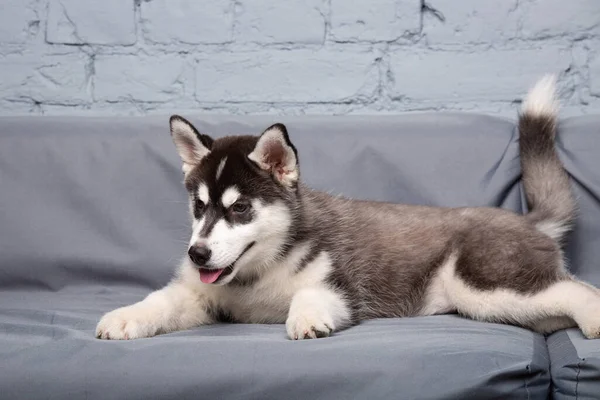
(116, 57)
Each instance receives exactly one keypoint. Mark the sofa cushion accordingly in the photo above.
(575, 361)
(579, 146)
(48, 350)
(575, 365)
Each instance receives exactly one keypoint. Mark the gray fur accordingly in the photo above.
(386, 254)
(546, 183)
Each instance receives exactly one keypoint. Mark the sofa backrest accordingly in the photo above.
(100, 201)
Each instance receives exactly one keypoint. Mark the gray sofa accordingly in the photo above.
(93, 217)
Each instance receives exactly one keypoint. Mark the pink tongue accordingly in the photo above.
(210, 275)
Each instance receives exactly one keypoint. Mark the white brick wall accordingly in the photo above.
(486, 75)
(105, 22)
(290, 21)
(374, 20)
(472, 22)
(49, 79)
(186, 21)
(328, 76)
(293, 56)
(137, 78)
(595, 76)
(551, 18)
(18, 21)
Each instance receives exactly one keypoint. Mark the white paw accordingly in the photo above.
(592, 333)
(129, 322)
(591, 330)
(309, 324)
(589, 322)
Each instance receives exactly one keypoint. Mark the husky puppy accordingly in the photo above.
(267, 249)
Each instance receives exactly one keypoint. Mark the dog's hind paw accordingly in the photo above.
(590, 324)
(131, 322)
(591, 332)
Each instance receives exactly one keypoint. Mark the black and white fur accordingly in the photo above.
(267, 249)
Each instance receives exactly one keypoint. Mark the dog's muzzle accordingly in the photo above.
(199, 254)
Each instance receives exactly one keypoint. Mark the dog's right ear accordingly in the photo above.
(275, 153)
(191, 144)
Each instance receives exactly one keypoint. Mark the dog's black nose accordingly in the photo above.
(199, 254)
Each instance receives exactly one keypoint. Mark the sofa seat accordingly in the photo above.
(48, 350)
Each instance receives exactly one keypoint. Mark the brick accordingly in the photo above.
(51, 79)
(495, 75)
(8, 108)
(471, 21)
(18, 21)
(104, 22)
(290, 21)
(142, 78)
(285, 76)
(573, 18)
(187, 21)
(374, 20)
(595, 76)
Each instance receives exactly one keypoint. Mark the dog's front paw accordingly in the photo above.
(131, 322)
(309, 324)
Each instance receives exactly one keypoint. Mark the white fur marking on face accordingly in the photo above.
(227, 243)
(230, 196)
(196, 228)
(203, 193)
(267, 230)
(220, 167)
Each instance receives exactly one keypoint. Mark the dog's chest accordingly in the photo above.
(268, 299)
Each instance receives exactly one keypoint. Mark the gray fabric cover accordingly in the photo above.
(47, 351)
(93, 216)
(575, 360)
(575, 365)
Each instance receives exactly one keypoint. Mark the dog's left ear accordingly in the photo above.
(275, 153)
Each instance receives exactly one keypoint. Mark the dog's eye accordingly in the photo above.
(198, 207)
(240, 208)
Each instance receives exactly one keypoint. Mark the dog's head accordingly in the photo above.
(243, 192)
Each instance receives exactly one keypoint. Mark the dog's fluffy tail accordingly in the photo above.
(547, 188)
